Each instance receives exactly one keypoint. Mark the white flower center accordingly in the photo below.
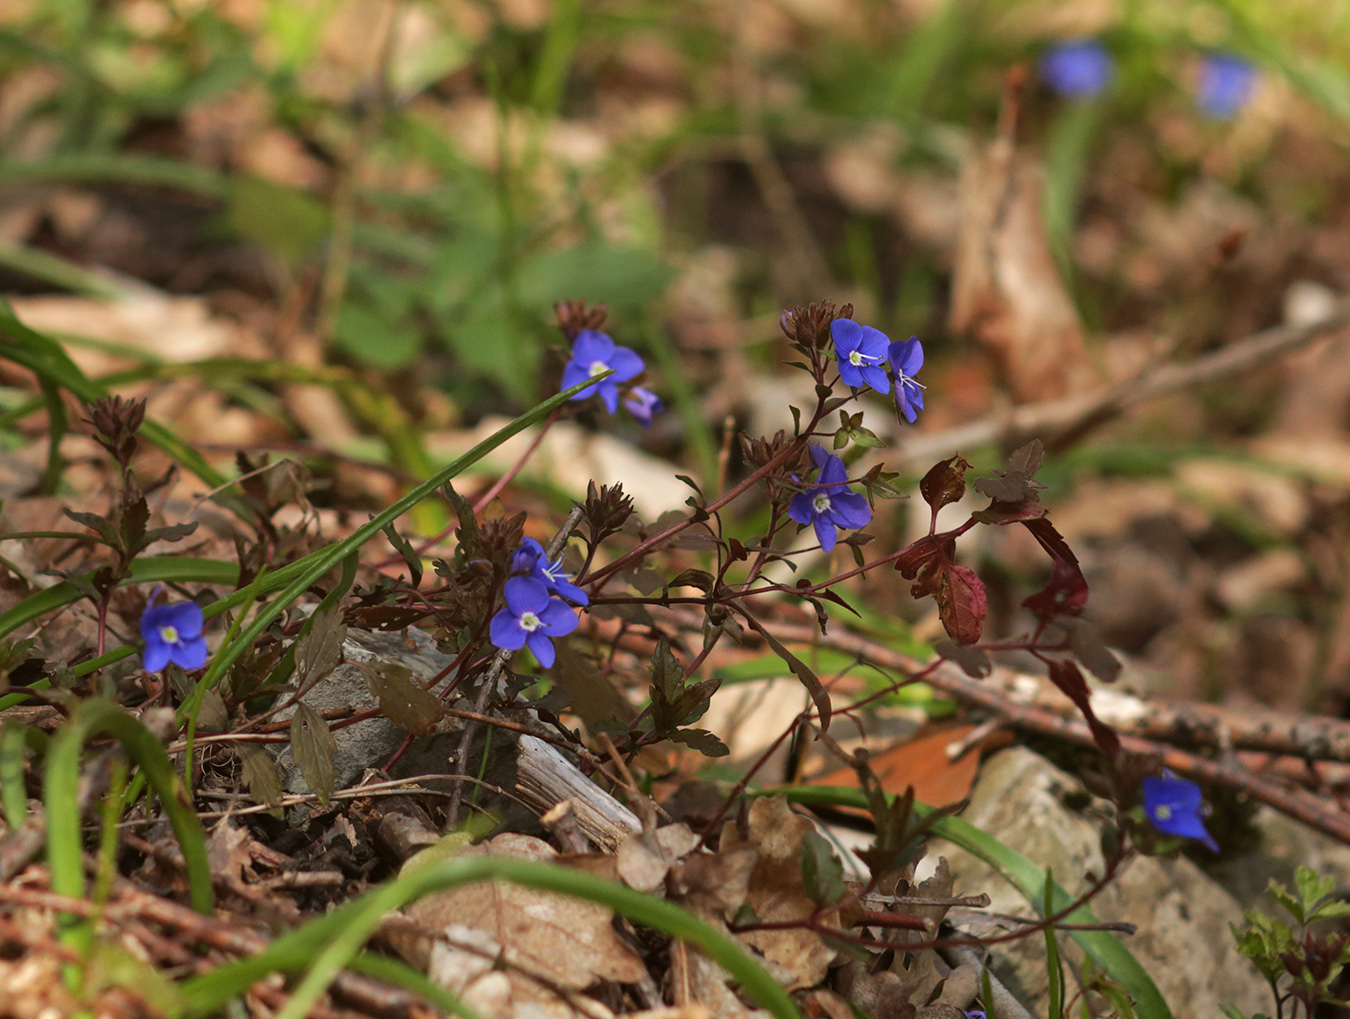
(168, 634)
(821, 503)
(529, 622)
(855, 358)
(1163, 812)
(598, 368)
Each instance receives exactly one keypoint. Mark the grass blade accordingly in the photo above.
(60, 794)
(332, 942)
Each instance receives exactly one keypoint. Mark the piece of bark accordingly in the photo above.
(545, 778)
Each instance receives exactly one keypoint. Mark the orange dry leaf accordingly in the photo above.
(922, 762)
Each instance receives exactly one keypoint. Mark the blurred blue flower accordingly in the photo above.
(530, 559)
(861, 352)
(594, 353)
(831, 504)
(1226, 84)
(1077, 68)
(172, 633)
(1174, 807)
(642, 404)
(531, 618)
(906, 358)
(975, 1013)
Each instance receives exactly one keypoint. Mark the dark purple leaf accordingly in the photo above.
(1068, 677)
(945, 483)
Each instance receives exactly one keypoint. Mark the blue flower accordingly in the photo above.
(906, 358)
(173, 633)
(642, 404)
(593, 353)
(1226, 83)
(529, 559)
(975, 1013)
(861, 352)
(1077, 68)
(1174, 807)
(831, 504)
(531, 618)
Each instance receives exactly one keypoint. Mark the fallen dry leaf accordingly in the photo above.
(1007, 290)
(542, 937)
(921, 761)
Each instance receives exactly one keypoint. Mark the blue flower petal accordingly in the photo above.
(906, 357)
(525, 594)
(185, 617)
(626, 364)
(505, 631)
(846, 334)
(558, 619)
(826, 533)
(156, 656)
(542, 648)
(800, 509)
(609, 395)
(849, 510)
(875, 376)
(591, 346)
(189, 654)
(527, 556)
(1077, 68)
(574, 374)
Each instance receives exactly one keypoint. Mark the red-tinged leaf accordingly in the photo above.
(1068, 677)
(1051, 540)
(1003, 513)
(945, 483)
(918, 556)
(961, 600)
(1065, 595)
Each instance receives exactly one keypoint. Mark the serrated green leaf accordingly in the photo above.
(259, 773)
(317, 652)
(402, 700)
(313, 746)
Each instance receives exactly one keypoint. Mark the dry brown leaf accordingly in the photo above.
(227, 850)
(644, 858)
(921, 761)
(562, 941)
(1006, 289)
(798, 958)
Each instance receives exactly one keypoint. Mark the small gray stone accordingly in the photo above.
(367, 744)
(1183, 940)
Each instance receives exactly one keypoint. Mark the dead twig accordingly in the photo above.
(1297, 803)
(1075, 414)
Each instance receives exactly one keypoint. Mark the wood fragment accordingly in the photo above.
(545, 777)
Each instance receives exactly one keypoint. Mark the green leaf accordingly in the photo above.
(287, 222)
(822, 872)
(1312, 889)
(624, 278)
(318, 651)
(374, 339)
(402, 700)
(259, 773)
(313, 745)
